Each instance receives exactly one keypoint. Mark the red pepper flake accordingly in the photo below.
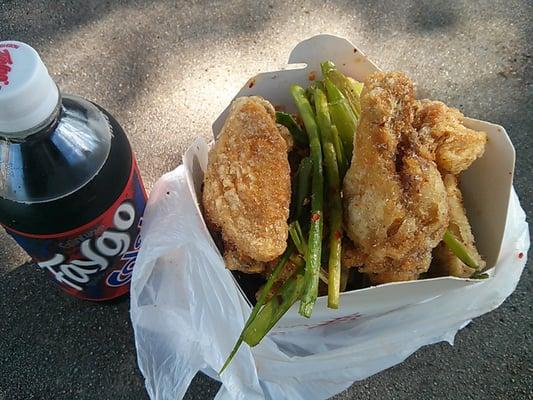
(251, 83)
(311, 76)
(520, 255)
(338, 235)
(315, 217)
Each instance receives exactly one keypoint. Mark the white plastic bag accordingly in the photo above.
(187, 311)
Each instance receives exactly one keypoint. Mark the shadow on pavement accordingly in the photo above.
(55, 346)
(139, 31)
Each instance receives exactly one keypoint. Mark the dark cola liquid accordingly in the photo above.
(46, 168)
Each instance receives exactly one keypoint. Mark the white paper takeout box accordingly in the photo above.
(486, 185)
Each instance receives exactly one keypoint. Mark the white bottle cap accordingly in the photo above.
(28, 95)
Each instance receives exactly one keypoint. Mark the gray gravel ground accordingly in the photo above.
(165, 69)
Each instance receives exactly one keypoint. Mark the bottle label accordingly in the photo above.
(94, 261)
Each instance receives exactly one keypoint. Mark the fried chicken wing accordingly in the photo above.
(247, 186)
(444, 261)
(395, 202)
(239, 262)
(441, 130)
(351, 257)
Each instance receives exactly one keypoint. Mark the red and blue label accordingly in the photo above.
(96, 260)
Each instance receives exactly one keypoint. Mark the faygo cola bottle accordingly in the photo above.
(70, 191)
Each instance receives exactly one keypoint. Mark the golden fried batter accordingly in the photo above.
(350, 256)
(444, 261)
(284, 132)
(395, 203)
(247, 186)
(386, 277)
(441, 129)
(238, 262)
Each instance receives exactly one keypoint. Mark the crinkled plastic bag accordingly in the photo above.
(187, 311)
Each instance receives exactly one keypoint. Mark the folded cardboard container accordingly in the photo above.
(486, 185)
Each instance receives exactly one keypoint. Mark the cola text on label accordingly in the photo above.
(97, 252)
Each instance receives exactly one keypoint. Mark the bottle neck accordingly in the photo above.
(42, 128)
(57, 158)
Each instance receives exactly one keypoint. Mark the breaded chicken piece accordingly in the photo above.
(355, 258)
(239, 262)
(286, 134)
(441, 130)
(387, 277)
(395, 206)
(351, 257)
(247, 188)
(444, 261)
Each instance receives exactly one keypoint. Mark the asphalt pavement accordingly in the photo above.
(166, 69)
